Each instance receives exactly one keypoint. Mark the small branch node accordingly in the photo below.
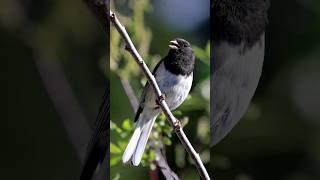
(112, 16)
(177, 125)
(160, 99)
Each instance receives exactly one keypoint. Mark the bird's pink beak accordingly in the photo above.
(174, 44)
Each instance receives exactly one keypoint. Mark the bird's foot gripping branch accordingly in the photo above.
(162, 103)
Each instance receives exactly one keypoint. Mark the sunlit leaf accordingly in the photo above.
(126, 125)
(122, 144)
(207, 49)
(114, 149)
(167, 141)
(151, 155)
(201, 55)
(113, 125)
(184, 121)
(177, 113)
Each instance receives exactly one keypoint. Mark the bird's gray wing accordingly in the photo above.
(145, 89)
(235, 75)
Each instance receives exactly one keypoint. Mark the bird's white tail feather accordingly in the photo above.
(138, 141)
(131, 147)
(141, 145)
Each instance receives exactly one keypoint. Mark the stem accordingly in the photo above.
(172, 120)
(129, 92)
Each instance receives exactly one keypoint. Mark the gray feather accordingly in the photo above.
(235, 75)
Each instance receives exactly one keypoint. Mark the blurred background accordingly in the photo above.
(52, 53)
(278, 138)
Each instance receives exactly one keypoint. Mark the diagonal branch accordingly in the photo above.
(129, 92)
(161, 101)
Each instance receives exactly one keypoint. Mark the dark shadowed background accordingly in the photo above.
(278, 138)
(54, 44)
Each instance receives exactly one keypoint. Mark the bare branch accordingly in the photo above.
(172, 120)
(163, 165)
(129, 92)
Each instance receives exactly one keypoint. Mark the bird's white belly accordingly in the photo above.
(175, 88)
(176, 94)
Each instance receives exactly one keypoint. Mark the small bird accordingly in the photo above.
(237, 54)
(174, 75)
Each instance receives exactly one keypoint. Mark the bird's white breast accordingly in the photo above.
(175, 87)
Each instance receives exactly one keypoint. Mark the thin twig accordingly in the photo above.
(163, 165)
(129, 92)
(172, 120)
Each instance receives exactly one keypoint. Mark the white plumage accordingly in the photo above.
(176, 89)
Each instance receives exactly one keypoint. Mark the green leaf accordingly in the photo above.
(177, 113)
(162, 117)
(167, 141)
(114, 149)
(162, 123)
(151, 155)
(122, 144)
(116, 177)
(200, 54)
(126, 125)
(123, 134)
(113, 125)
(184, 121)
(118, 130)
(167, 131)
(207, 49)
(114, 160)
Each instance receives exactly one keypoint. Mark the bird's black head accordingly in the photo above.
(180, 59)
(239, 21)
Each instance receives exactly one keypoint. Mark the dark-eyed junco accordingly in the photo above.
(174, 75)
(238, 41)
